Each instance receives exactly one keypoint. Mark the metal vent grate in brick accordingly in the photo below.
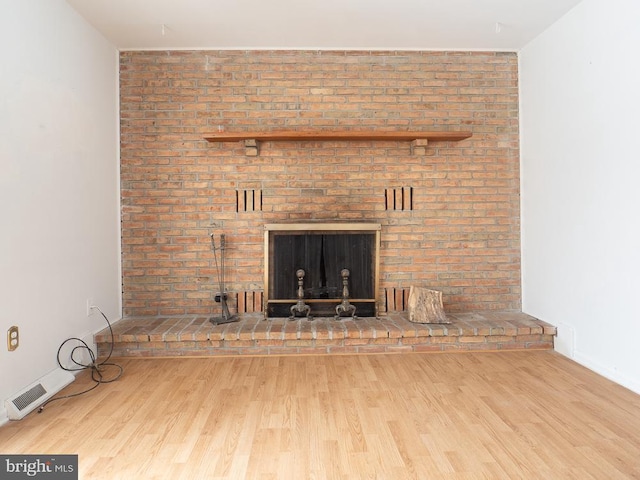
(396, 299)
(400, 198)
(30, 396)
(249, 302)
(248, 200)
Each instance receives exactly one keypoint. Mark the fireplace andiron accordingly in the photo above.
(226, 316)
(300, 306)
(345, 305)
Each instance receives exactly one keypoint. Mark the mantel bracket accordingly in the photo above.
(251, 147)
(419, 146)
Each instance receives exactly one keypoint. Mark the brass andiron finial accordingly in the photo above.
(345, 306)
(300, 306)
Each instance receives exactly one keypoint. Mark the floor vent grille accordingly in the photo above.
(28, 397)
(34, 395)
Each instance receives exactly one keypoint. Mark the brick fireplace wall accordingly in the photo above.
(450, 217)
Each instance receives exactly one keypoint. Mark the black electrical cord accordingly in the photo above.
(96, 367)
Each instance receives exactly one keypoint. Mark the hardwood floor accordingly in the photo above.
(505, 415)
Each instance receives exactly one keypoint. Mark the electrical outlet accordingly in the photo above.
(90, 305)
(13, 338)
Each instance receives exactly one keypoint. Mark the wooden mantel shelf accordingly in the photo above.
(292, 136)
(419, 139)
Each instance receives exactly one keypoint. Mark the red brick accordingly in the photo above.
(175, 184)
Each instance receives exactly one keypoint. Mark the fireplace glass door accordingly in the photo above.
(323, 252)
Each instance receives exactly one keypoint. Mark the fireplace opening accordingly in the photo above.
(315, 262)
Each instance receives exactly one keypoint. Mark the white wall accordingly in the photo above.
(580, 100)
(59, 200)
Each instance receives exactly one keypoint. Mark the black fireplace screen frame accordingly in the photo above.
(322, 251)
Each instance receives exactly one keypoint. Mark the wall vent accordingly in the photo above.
(248, 200)
(250, 302)
(396, 299)
(398, 198)
(31, 397)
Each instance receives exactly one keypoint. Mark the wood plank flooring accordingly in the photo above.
(529, 415)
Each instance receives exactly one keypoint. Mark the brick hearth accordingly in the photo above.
(253, 335)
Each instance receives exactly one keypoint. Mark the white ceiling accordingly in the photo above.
(322, 24)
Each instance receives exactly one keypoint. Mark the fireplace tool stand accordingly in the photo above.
(345, 305)
(300, 306)
(226, 316)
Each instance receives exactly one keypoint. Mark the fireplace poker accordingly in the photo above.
(226, 316)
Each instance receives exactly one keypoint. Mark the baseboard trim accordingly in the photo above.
(565, 341)
(607, 372)
(4, 416)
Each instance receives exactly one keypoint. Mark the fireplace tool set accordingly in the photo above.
(226, 316)
(344, 307)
